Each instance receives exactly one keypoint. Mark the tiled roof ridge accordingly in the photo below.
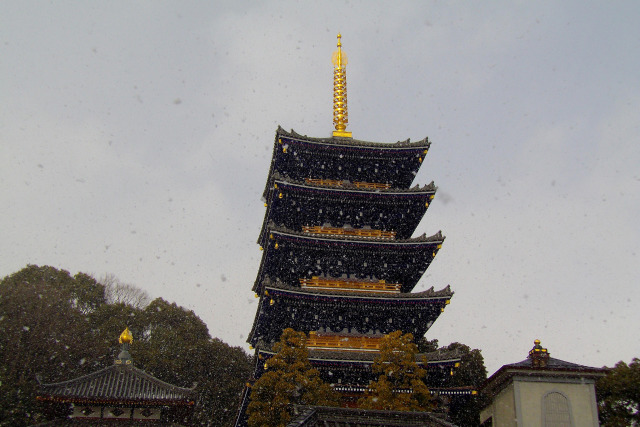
(437, 237)
(350, 141)
(428, 293)
(348, 185)
(552, 364)
(105, 371)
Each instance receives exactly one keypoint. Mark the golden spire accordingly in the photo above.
(340, 115)
(126, 337)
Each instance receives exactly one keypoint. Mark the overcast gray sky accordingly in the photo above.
(135, 139)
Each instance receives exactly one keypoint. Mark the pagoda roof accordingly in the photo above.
(119, 383)
(351, 142)
(413, 313)
(418, 252)
(379, 208)
(408, 154)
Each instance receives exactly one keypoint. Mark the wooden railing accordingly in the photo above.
(350, 285)
(339, 231)
(327, 182)
(336, 183)
(374, 185)
(341, 342)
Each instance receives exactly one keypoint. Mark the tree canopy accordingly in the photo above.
(619, 395)
(60, 326)
(400, 385)
(289, 380)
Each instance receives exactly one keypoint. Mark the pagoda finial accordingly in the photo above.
(125, 339)
(340, 114)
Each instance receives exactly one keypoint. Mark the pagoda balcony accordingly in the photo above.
(357, 184)
(347, 231)
(379, 286)
(341, 342)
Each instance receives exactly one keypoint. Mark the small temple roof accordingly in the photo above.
(539, 363)
(122, 383)
(119, 383)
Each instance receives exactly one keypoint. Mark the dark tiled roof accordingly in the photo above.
(552, 364)
(312, 416)
(122, 383)
(555, 368)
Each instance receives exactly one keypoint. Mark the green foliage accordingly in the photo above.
(465, 410)
(289, 380)
(62, 327)
(400, 385)
(42, 330)
(619, 395)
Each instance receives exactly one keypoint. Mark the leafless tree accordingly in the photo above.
(116, 291)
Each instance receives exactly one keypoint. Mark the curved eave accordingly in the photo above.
(115, 401)
(423, 247)
(354, 357)
(430, 293)
(353, 143)
(117, 382)
(393, 198)
(350, 147)
(424, 303)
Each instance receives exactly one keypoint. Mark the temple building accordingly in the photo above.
(542, 391)
(339, 256)
(120, 394)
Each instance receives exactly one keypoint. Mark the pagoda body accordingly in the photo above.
(340, 260)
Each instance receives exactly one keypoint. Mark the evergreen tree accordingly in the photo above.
(400, 385)
(619, 395)
(61, 326)
(465, 410)
(289, 380)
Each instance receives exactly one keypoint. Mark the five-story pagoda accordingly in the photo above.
(339, 261)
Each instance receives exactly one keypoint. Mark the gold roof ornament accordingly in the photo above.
(124, 358)
(340, 114)
(539, 355)
(126, 337)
